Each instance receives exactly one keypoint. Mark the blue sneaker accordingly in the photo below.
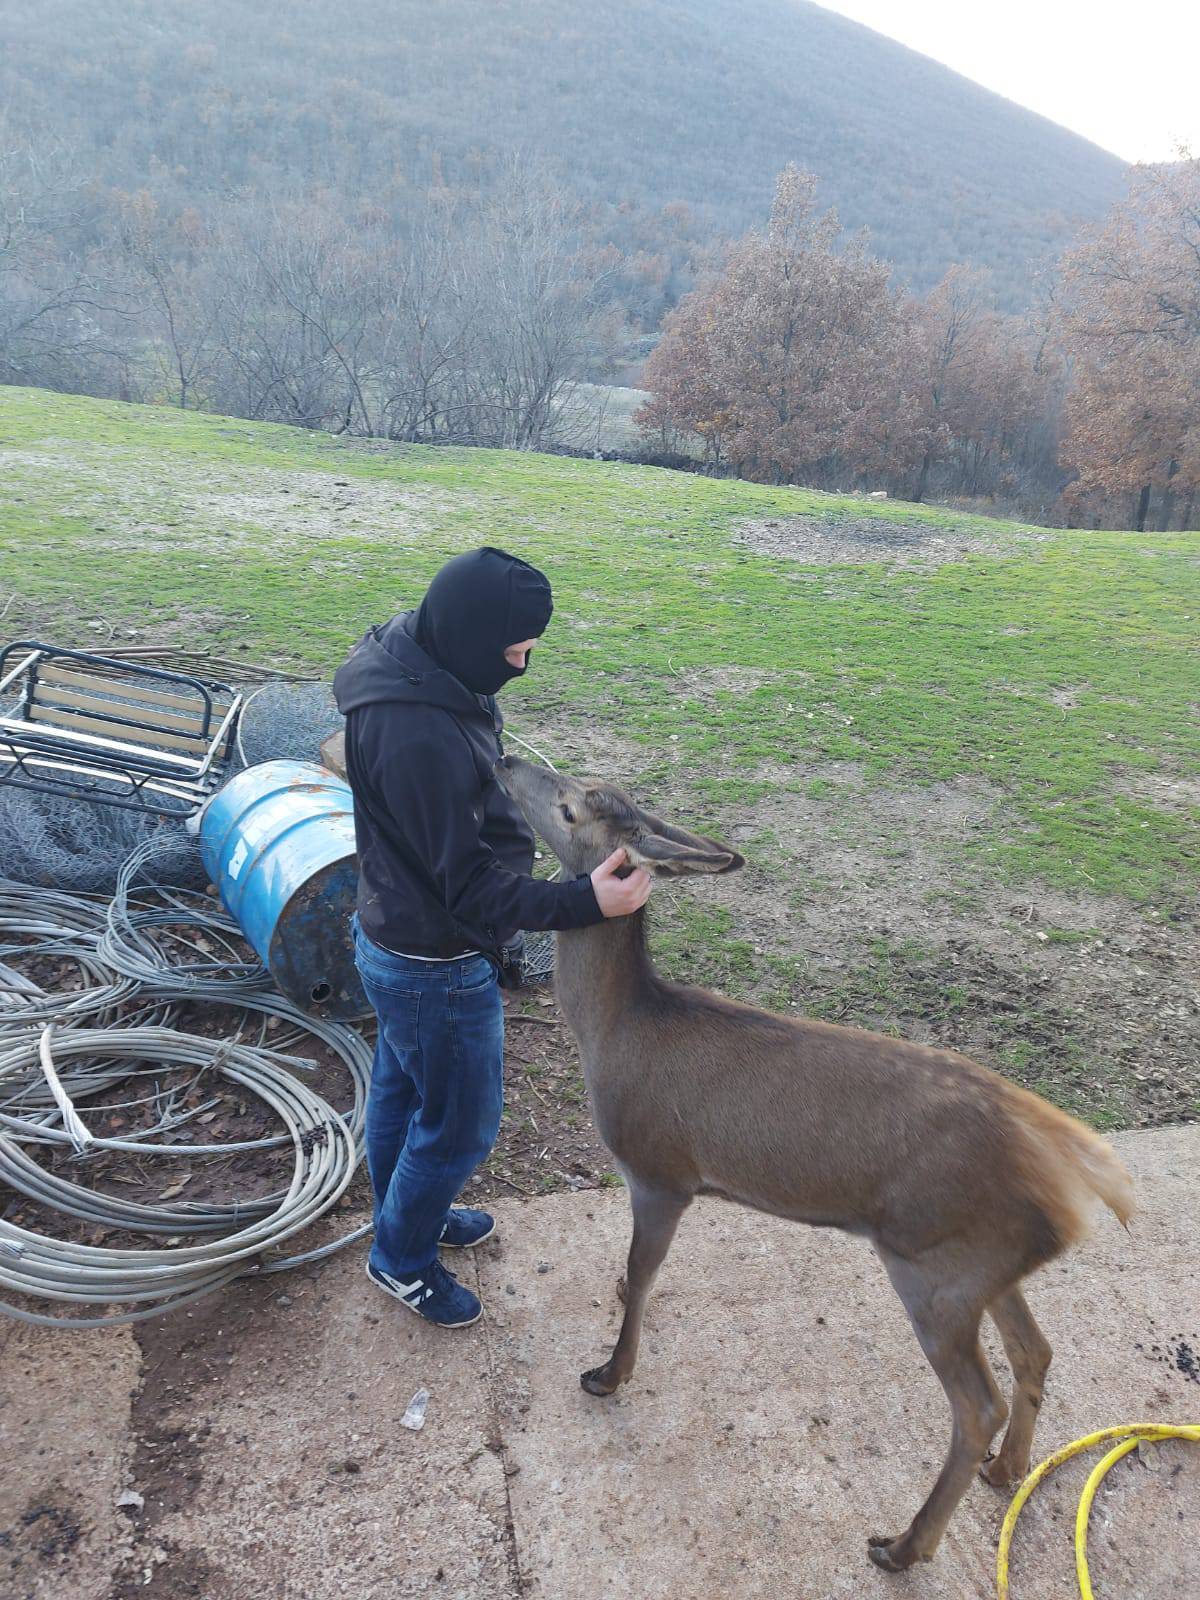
(432, 1293)
(464, 1229)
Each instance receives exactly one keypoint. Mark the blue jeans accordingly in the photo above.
(437, 1090)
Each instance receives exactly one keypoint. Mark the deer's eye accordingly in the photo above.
(568, 814)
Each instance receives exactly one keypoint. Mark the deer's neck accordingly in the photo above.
(602, 972)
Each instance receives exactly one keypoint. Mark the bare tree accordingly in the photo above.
(168, 264)
(425, 331)
(473, 327)
(293, 323)
(532, 300)
(52, 294)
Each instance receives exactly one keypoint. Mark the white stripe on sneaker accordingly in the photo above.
(413, 1294)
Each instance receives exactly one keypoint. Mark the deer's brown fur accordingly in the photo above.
(963, 1182)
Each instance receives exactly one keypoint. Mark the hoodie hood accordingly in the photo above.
(388, 665)
(476, 606)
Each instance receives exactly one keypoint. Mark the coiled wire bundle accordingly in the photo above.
(187, 919)
(75, 1061)
(66, 927)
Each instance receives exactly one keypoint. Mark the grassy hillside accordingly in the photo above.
(961, 756)
(641, 105)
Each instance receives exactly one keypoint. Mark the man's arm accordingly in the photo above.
(440, 821)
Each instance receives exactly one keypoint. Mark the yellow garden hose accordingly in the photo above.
(1129, 1436)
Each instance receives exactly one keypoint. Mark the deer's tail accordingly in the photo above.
(1068, 1166)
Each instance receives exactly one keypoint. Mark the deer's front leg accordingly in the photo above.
(656, 1214)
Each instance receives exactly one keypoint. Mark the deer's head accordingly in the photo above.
(584, 821)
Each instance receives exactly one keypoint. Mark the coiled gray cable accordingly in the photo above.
(60, 1051)
(325, 1156)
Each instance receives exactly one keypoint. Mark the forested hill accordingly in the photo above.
(639, 103)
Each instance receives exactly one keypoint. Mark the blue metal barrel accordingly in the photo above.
(278, 843)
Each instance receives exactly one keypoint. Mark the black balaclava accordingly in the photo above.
(476, 606)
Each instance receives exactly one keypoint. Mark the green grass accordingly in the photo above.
(798, 708)
(697, 942)
(918, 675)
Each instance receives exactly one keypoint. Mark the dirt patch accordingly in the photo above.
(166, 1570)
(324, 506)
(185, 1356)
(112, 488)
(707, 684)
(42, 1538)
(886, 922)
(547, 1140)
(78, 628)
(64, 1414)
(842, 540)
(1067, 698)
(583, 749)
(1169, 791)
(271, 1460)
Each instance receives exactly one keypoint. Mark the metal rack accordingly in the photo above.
(95, 728)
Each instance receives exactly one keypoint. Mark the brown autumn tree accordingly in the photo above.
(1131, 330)
(984, 385)
(791, 364)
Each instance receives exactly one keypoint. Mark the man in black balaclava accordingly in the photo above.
(444, 861)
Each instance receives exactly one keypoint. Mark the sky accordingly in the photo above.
(1123, 73)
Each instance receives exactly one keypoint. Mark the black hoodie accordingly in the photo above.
(443, 854)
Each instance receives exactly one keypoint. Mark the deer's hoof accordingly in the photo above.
(889, 1554)
(993, 1472)
(598, 1381)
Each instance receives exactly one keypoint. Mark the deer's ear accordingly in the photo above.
(693, 841)
(609, 807)
(668, 858)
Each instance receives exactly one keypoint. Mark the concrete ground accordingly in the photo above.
(780, 1413)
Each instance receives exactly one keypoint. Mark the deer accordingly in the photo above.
(963, 1182)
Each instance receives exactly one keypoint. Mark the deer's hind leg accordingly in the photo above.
(656, 1214)
(1029, 1354)
(945, 1313)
